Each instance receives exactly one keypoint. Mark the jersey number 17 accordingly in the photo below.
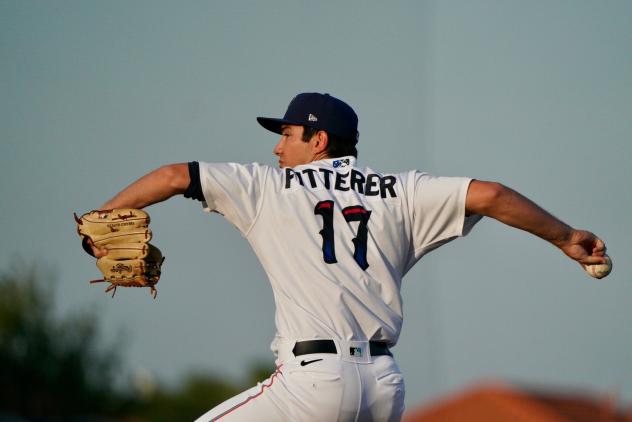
(353, 213)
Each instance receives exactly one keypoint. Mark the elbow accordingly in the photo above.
(483, 197)
(176, 176)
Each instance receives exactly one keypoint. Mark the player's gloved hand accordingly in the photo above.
(93, 250)
(119, 239)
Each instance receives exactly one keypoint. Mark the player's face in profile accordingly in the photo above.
(291, 149)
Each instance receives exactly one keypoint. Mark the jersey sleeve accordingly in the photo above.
(234, 191)
(438, 211)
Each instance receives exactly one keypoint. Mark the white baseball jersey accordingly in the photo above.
(335, 240)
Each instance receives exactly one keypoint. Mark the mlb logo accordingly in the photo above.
(356, 352)
(341, 163)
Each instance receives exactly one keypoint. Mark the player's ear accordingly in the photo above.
(321, 141)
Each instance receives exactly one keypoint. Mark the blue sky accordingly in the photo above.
(536, 95)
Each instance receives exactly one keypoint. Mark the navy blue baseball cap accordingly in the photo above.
(320, 111)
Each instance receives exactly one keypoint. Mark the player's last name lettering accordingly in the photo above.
(371, 184)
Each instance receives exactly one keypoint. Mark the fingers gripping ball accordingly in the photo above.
(599, 270)
(124, 233)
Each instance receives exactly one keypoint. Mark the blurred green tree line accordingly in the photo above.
(55, 368)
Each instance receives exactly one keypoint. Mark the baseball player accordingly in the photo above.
(335, 239)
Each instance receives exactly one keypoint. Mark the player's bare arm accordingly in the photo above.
(156, 186)
(510, 207)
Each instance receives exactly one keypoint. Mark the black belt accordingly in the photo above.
(377, 348)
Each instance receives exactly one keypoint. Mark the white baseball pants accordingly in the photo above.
(320, 387)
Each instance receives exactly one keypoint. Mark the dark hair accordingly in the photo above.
(336, 145)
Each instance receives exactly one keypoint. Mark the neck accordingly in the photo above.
(320, 156)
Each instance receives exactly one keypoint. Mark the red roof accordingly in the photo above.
(499, 402)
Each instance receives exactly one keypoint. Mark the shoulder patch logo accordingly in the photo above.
(312, 118)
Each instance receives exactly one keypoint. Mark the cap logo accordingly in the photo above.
(312, 118)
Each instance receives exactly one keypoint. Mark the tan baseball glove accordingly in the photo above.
(124, 233)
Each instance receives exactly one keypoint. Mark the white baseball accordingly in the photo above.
(599, 270)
